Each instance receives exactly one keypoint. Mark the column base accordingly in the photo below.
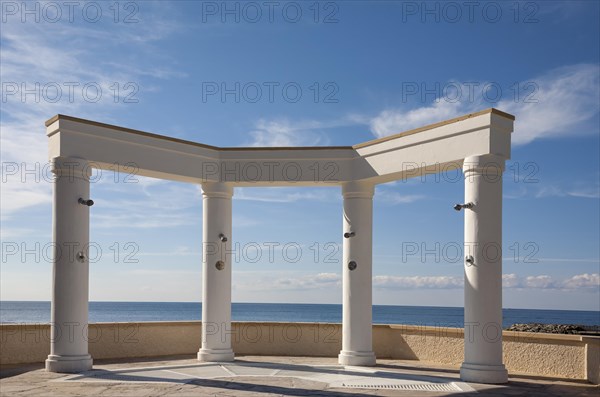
(361, 359)
(68, 364)
(481, 373)
(215, 355)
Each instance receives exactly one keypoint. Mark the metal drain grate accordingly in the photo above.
(407, 386)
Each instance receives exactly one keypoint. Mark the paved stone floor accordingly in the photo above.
(270, 376)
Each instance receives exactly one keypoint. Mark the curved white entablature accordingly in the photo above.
(430, 149)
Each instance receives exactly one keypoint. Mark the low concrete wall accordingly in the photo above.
(526, 353)
(557, 356)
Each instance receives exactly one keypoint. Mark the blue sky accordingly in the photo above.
(307, 73)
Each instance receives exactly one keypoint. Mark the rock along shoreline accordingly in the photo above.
(592, 330)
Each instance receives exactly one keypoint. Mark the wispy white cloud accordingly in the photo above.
(585, 193)
(567, 260)
(563, 102)
(292, 281)
(23, 148)
(316, 281)
(38, 55)
(149, 204)
(283, 132)
(394, 198)
(546, 189)
(392, 121)
(287, 195)
(291, 195)
(568, 100)
(304, 132)
(410, 282)
(164, 272)
(583, 281)
(510, 280)
(542, 281)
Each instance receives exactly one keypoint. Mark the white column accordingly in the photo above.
(357, 343)
(70, 278)
(216, 273)
(483, 271)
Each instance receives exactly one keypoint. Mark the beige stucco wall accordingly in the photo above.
(559, 356)
(593, 362)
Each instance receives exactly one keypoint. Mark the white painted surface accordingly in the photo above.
(378, 161)
(357, 342)
(216, 284)
(70, 277)
(483, 278)
(479, 138)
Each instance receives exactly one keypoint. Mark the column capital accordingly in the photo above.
(72, 167)
(484, 164)
(358, 189)
(217, 189)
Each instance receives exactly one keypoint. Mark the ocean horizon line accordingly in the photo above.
(306, 303)
(114, 311)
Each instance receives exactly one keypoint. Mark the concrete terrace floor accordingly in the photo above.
(270, 376)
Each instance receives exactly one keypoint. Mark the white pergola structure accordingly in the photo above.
(479, 143)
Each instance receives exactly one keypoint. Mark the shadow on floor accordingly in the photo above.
(126, 374)
(14, 370)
